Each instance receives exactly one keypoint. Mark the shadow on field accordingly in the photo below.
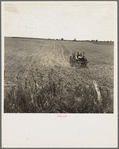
(55, 97)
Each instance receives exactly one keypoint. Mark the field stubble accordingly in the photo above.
(39, 78)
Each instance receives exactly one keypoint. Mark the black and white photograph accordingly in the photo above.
(59, 74)
(59, 57)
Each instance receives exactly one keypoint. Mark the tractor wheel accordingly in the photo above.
(83, 64)
(71, 62)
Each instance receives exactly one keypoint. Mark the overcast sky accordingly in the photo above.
(68, 20)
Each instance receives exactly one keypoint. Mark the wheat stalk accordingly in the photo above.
(99, 98)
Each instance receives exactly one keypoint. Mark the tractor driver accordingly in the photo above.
(79, 55)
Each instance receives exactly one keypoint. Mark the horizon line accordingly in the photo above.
(58, 38)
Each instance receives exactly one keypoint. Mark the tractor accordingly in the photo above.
(78, 60)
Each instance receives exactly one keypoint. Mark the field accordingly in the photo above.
(38, 77)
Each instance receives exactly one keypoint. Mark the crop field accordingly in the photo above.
(38, 77)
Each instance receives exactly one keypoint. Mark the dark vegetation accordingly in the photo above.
(56, 98)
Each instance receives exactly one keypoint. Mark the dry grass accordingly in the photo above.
(51, 85)
(56, 97)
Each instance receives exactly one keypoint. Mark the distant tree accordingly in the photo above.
(96, 40)
(74, 39)
(93, 40)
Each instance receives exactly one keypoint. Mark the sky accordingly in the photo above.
(68, 20)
